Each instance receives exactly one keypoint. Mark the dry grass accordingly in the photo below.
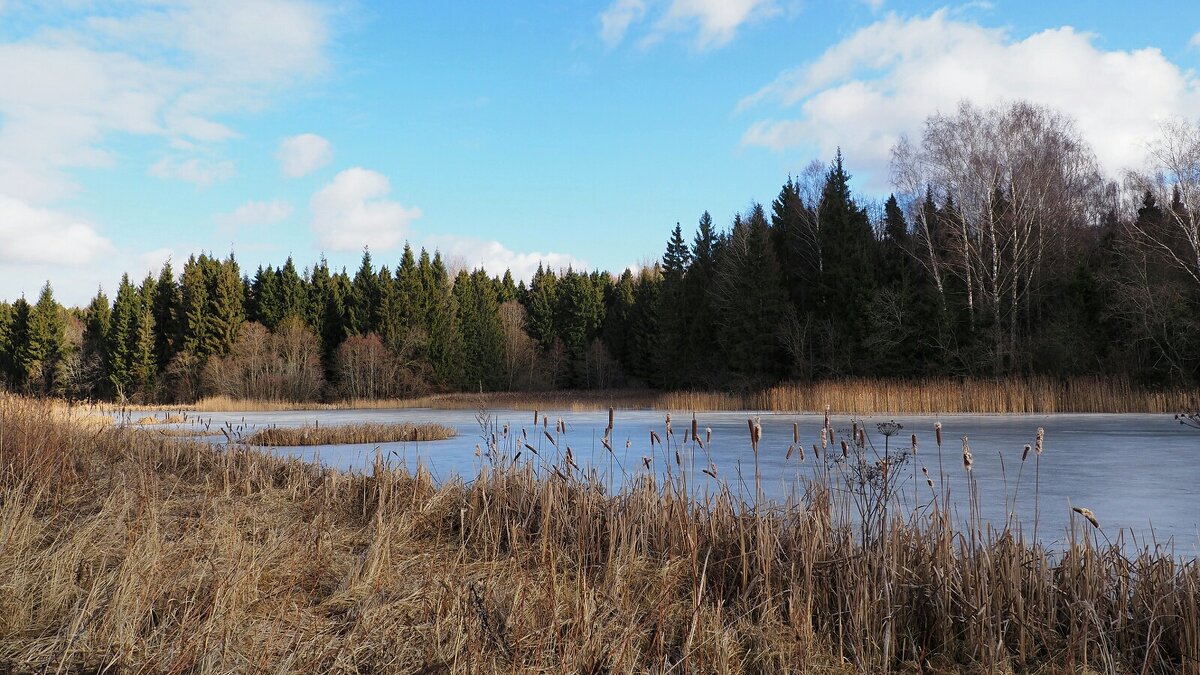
(350, 433)
(122, 550)
(857, 396)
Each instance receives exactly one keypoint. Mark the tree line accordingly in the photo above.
(1002, 251)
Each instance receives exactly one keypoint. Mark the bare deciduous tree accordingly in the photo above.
(1016, 180)
(1174, 180)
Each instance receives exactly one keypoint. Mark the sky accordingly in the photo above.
(134, 132)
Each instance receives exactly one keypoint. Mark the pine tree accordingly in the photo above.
(167, 310)
(752, 308)
(673, 313)
(700, 354)
(41, 354)
(445, 349)
(480, 331)
(541, 306)
(362, 306)
(95, 344)
(847, 280)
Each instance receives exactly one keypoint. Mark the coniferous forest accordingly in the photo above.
(1003, 251)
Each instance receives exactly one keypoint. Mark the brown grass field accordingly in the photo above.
(126, 551)
(350, 433)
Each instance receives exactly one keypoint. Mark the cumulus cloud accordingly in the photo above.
(881, 82)
(713, 23)
(352, 211)
(301, 155)
(200, 172)
(495, 257)
(256, 213)
(29, 234)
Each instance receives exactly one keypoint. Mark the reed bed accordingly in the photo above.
(123, 551)
(341, 434)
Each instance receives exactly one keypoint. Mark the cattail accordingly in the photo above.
(937, 428)
(816, 451)
(914, 445)
(757, 431)
(845, 449)
(707, 435)
(1025, 455)
(535, 418)
(795, 432)
(791, 449)
(654, 438)
(1087, 513)
(854, 432)
(824, 438)
(668, 425)
(1041, 435)
(695, 426)
(967, 459)
(646, 462)
(610, 418)
(826, 417)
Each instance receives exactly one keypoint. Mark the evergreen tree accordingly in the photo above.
(6, 343)
(18, 337)
(847, 280)
(362, 306)
(752, 308)
(506, 289)
(577, 321)
(541, 305)
(167, 311)
(40, 355)
(673, 312)
(480, 331)
(445, 349)
(98, 318)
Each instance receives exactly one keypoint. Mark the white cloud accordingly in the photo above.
(201, 172)
(495, 257)
(713, 22)
(885, 79)
(352, 211)
(301, 155)
(29, 234)
(147, 68)
(1195, 41)
(256, 213)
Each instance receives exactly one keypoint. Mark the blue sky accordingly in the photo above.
(506, 133)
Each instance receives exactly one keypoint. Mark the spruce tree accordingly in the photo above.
(481, 333)
(41, 354)
(167, 310)
(541, 306)
(95, 344)
(673, 312)
(700, 353)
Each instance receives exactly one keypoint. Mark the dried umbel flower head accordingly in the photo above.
(968, 460)
(1041, 436)
(1087, 513)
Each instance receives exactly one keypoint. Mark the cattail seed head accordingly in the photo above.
(824, 439)
(914, 445)
(1041, 436)
(816, 451)
(795, 432)
(791, 449)
(1087, 513)
(694, 426)
(937, 428)
(968, 460)
(707, 435)
(610, 417)
(845, 449)
(1025, 454)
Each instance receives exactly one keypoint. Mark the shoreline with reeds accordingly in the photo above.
(1035, 395)
(124, 550)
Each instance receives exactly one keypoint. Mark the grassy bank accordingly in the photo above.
(122, 550)
(848, 396)
(350, 433)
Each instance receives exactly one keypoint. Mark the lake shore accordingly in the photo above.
(129, 550)
(844, 396)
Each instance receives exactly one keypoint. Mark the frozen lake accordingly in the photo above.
(1138, 473)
